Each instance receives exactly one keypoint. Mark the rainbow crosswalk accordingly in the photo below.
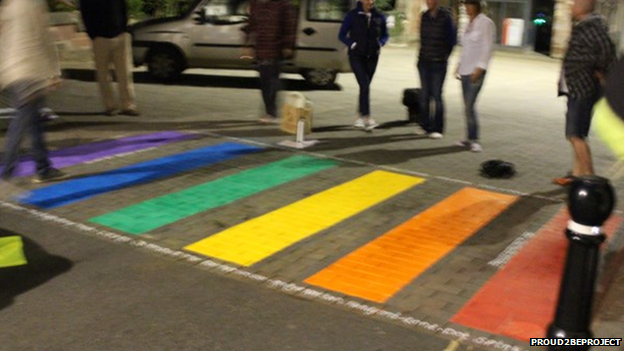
(375, 270)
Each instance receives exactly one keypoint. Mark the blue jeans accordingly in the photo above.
(364, 69)
(28, 119)
(269, 84)
(432, 74)
(471, 91)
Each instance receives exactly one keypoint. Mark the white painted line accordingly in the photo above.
(511, 250)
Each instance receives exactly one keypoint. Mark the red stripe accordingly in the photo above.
(519, 300)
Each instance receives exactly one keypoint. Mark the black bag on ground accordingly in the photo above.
(411, 98)
(497, 169)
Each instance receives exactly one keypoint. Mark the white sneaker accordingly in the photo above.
(476, 147)
(359, 123)
(419, 130)
(268, 120)
(370, 124)
(435, 135)
(463, 143)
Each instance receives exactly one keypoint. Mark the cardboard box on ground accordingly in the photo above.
(296, 107)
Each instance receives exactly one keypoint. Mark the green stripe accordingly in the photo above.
(145, 216)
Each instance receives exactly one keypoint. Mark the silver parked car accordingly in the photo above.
(207, 34)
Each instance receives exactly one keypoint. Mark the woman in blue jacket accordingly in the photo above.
(364, 32)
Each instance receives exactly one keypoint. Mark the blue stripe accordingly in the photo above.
(84, 188)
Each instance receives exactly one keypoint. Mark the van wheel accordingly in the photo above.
(164, 64)
(320, 77)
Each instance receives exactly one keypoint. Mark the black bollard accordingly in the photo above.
(590, 201)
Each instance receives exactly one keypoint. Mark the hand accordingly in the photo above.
(247, 53)
(601, 78)
(474, 77)
(287, 53)
(55, 83)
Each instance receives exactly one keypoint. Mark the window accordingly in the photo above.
(227, 11)
(328, 10)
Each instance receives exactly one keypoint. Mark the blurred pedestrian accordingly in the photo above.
(29, 67)
(271, 33)
(107, 26)
(437, 39)
(364, 32)
(477, 47)
(589, 56)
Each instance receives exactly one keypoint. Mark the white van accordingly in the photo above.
(208, 35)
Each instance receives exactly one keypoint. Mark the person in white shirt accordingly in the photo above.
(477, 46)
(29, 68)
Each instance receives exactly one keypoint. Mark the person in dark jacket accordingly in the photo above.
(106, 23)
(437, 39)
(589, 56)
(271, 31)
(364, 32)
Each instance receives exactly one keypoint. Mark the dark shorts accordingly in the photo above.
(578, 117)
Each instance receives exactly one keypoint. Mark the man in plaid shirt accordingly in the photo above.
(272, 32)
(590, 55)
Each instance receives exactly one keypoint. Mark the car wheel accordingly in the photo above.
(164, 64)
(320, 77)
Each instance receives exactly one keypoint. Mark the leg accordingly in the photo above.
(371, 67)
(102, 57)
(265, 68)
(358, 65)
(27, 118)
(578, 121)
(438, 74)
(425, 94)
(582, 157)
(273, 89)
(470, 92)
(122, 60)
(39, 149)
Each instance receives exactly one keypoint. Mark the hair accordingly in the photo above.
(477, 3)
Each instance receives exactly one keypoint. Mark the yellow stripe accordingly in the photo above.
(377, 270)
(261, 237)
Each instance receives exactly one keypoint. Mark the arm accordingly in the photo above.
(383, 38)
(89, 18)
(345, 28)
(250, 28)
(451, 34)
(487, 38)
(289, 21)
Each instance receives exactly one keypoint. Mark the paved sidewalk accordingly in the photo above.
(471, 237)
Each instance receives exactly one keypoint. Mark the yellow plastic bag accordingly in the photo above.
(12, 252)
(609, 127)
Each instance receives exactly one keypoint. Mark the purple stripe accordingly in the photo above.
(95, 151)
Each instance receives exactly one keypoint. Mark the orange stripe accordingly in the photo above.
(379, 269)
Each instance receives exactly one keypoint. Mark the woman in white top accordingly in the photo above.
(477, 45)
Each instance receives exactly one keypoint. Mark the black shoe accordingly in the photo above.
(50, 174)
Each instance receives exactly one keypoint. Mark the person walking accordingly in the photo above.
(364, 32)
(477, 47)
(271, 34)
(589, 56)
(106, 23)
(437, 39)
(29, 68)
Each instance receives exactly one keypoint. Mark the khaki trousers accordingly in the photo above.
(116, 51)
